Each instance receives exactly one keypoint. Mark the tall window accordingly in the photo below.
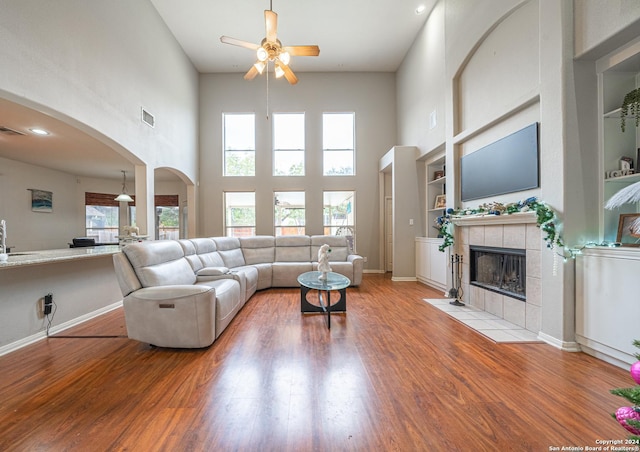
(339, 214)
(288, 144)
(239, 136)
(102, 217)
(338, 131)
(240, 214)
(289, 212)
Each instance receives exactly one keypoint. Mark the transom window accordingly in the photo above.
(288, 144)
(240, 214)
(239, 136)
(289, 212)
(338, 132)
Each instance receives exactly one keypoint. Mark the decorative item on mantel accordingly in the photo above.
(3, 241)
(323, 262)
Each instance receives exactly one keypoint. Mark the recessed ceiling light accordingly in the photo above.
(39, 131)
(421, 9)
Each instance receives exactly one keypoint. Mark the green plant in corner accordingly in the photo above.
(630, 107)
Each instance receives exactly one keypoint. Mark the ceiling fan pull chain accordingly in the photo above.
(267, 91)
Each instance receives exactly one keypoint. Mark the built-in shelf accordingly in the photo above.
(439, 181)
(623, 179)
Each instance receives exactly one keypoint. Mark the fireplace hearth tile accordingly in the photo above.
(485, 323)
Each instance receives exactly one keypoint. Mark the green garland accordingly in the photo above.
(545, 219)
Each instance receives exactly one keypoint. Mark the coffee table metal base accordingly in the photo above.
(323, 306)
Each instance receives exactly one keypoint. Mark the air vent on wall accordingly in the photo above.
(7, 131)
(148, 118)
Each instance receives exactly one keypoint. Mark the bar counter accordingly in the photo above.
(19, 259)
(82, 282)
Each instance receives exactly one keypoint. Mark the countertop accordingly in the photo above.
(19, 259)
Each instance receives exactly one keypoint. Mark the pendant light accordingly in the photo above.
(124, 197)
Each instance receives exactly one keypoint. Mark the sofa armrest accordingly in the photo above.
(173, 292)
(358, 266)
(180, 316)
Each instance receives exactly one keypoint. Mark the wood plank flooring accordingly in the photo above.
(393, 374)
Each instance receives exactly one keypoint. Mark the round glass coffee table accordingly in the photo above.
(334, 281)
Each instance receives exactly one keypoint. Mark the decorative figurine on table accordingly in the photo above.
(323, 262)
(3, 241)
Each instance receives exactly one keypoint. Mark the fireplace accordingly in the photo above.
(501, 270)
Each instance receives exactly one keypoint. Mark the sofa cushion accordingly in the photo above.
(229, 300)
(230, 251)
(285, 274)
(206, 251)
(338, 244)
(190, 254)
(293, 248)
(258, 249)
(159, 263)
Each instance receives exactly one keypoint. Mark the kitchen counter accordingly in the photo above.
(19, 259)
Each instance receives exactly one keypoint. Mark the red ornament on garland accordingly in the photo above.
(635, 372)
(623, 414)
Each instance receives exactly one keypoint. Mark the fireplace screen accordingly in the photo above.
(501, 270)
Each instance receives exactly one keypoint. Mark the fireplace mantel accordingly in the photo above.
(481, 220)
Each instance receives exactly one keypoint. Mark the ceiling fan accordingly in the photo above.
(271, 49)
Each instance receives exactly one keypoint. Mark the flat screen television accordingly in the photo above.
(508, 165)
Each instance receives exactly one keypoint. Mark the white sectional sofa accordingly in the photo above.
(184, 293)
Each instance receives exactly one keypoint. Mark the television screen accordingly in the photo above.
(508, 165)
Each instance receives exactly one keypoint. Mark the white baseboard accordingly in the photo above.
(403, 278)
(562, 345)
(56, 329)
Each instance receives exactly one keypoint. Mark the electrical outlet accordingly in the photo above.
(365, 259)
(48, 304)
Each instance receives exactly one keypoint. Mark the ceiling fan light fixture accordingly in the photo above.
(263, 55)
(279, 71)
(285, 57)
(260, 65)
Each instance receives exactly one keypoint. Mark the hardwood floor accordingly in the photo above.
(392, 374)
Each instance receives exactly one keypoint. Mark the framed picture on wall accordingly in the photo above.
(629, 229)
(441, 202)
(41, 200)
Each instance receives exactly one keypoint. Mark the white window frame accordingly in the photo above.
(328, 148)
(226, 151)
(288, 150)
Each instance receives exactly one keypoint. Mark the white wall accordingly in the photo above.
(370, 96)
(603, 25)
(28, 230)
(420, 87)
(98, 63)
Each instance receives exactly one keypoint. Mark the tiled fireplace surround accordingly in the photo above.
(490, 231)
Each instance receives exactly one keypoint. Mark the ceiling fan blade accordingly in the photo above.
(302, 50)
(289, 75)
(239, 43)
(251, 73)
(271, 25)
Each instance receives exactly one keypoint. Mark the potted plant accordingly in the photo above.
(630, 106)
